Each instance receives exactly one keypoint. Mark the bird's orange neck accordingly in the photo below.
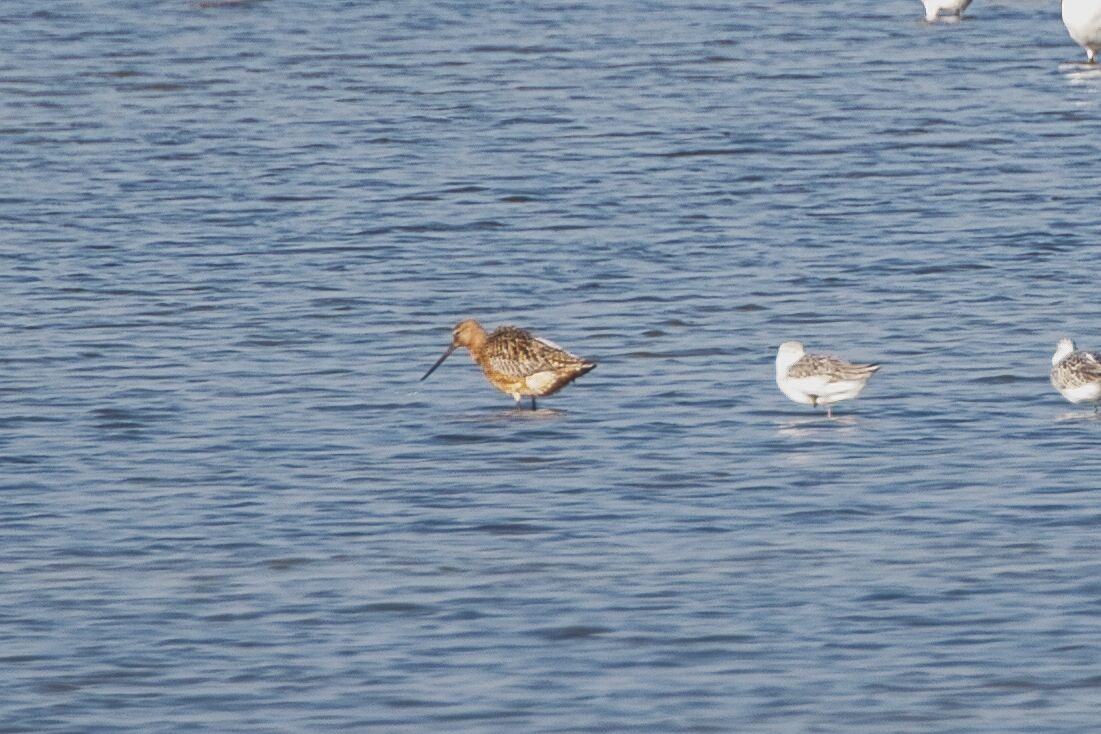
(471, 335)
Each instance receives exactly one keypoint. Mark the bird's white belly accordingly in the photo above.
(1088, 393)
(1083, 21)
(844, 390)
(793, 391)
(820, 390)
(932, 7)
(952, 6)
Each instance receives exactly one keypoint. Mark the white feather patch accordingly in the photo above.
(540, 381)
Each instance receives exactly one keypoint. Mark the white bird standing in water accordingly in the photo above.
(1083, 21)
(934, 7)
(819, 379)
(1075, 374)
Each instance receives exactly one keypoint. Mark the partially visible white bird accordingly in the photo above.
(933, 8)
(1075, 374)
(1083, 21)
(818, 379)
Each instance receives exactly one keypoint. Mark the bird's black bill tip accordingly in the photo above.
(439, 361)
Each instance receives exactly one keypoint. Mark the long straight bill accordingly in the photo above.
(439, 361)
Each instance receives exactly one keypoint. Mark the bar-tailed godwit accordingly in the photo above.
(1075, 374)
(819, 379)
(516, 362)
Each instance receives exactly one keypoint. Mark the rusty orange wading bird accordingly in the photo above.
(516, 362)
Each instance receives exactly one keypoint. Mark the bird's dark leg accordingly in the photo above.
(533, 402)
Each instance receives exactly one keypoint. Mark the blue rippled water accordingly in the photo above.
(234, 235)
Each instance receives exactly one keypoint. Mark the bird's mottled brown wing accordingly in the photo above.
(831, 368)
(1079, 368)
(514, 352)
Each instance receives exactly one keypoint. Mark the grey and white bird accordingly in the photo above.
(819, 379)
(1076, 374)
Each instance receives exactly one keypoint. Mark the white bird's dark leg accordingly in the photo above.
(533, 402)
